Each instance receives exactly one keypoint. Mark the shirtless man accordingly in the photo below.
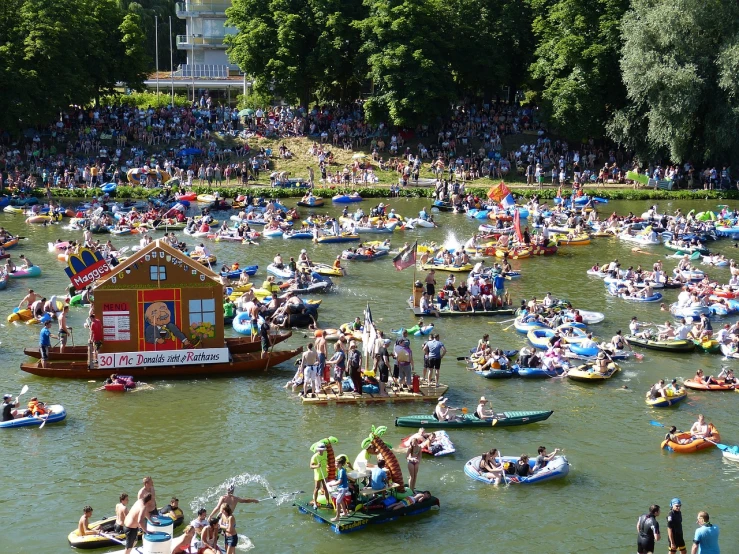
(700, 428)
(63, 329)
(135, 520)
(29, 299)
(121, 511)
(320, 344)
(148, 488)
(83, 527)
(231, 500)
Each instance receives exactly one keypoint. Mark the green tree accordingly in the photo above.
(409, 56)
(494, 45)
(679, 64)
(56, 53)
(297, 49)
(576, 63)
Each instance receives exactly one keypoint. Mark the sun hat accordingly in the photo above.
(442, 400)
(321, 447)
(483, 400)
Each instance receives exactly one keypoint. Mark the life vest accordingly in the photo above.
(35, 409)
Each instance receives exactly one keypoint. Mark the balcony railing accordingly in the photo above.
(198, 7)
(202, 71)
(201, 40)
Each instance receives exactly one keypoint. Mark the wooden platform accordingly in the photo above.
(427, 394)
(360, 520)
(507, 310)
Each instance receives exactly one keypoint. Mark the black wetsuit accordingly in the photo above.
(648, 528)
(675, 523)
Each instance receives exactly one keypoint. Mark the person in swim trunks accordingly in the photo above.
(675, 538)
(136, 521)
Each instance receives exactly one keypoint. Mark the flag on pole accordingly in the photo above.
(508, 201)
(405, 258)
(498, 192)
(369, 336)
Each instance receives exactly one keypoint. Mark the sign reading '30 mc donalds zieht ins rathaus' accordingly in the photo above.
(84, 268)
(122, 360)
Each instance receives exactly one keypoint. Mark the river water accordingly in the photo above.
(194, 436)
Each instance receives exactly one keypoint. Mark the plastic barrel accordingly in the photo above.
(165, 525)
(157, 543)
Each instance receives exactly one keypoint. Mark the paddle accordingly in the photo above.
(658, 424)
(506, 329)
(718, 445)
(45, 419)
(24, 390)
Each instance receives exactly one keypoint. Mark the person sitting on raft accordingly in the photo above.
(700, 428)
(672, 436)
(706, 380)
(657, 390)
(728, 376)
(83, 527)
(490, 468)
(601, 364)
(35, 408)
(409, 500)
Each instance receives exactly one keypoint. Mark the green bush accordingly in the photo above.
(144, 100)
(410, 192)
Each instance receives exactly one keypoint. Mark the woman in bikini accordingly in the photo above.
(413, 456)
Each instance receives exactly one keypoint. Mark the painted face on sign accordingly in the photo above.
(158, 314)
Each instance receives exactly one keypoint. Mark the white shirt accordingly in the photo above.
(682, 332)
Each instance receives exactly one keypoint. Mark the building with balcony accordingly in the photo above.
(203, 42)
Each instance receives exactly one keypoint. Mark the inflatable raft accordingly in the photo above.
(441, 445)
(557, 468)
(56, 414)
(692, 444)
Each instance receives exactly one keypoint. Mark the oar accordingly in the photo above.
(24, 390)
(656, 423)
(45, 419)
(506, 329)
(718, 444)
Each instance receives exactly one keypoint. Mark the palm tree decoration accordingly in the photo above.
(383, 449)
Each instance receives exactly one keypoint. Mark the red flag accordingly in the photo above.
(517, 226)
(406, 257)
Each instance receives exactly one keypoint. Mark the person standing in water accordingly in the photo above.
(136, 521)
(230, 500)
(228, 524)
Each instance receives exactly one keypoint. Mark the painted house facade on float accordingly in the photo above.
(160, 307)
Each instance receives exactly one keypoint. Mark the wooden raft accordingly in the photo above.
(330, 395)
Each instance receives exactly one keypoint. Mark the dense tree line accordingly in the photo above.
(659, 76)
(56, 53)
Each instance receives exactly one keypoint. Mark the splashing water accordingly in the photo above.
(211, 495)
(244, 543)
(451, 242)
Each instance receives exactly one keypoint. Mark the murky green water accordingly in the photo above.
(193, 436)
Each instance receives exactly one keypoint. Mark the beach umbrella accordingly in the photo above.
(245, 112)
